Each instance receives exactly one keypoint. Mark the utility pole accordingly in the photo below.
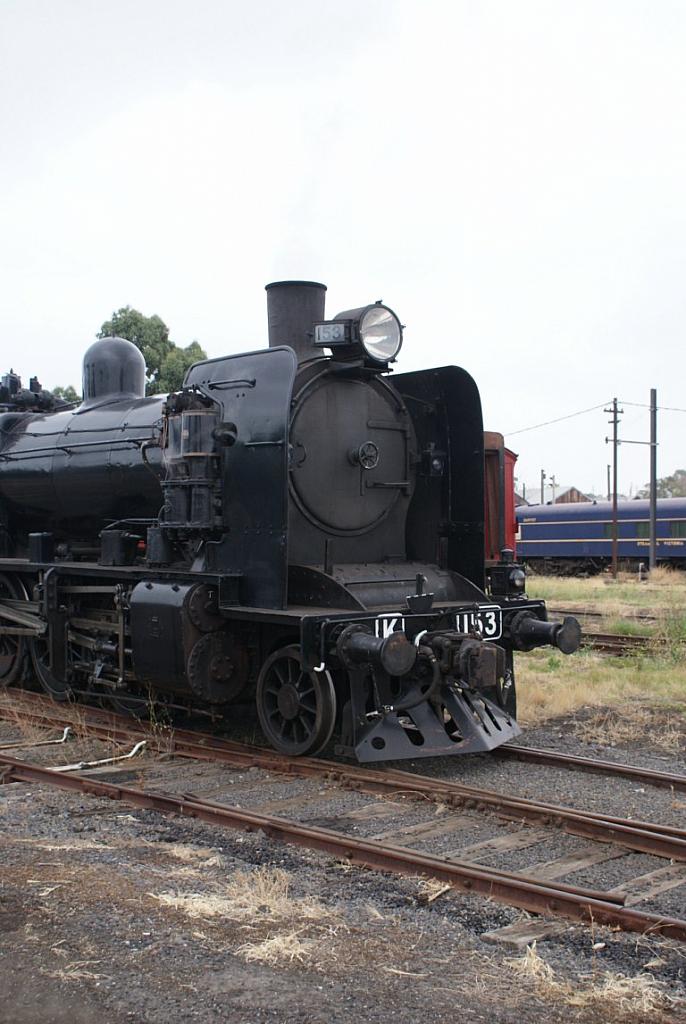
(609, 485)
(543, 475)
(616, 411)
(653, 478)
(553, 484)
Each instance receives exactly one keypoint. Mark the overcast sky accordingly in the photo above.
(509, 176)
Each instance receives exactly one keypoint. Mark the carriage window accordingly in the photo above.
(643, 529)
(677, 529)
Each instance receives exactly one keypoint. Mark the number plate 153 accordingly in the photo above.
(488, 620)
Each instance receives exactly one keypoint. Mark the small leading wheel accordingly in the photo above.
(12, 648)
(297, 709)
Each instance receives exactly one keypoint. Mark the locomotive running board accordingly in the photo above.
(477, 725)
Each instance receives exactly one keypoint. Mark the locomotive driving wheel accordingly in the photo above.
(297, 708)
(12, 648)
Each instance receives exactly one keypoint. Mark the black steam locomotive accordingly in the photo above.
(296, 522)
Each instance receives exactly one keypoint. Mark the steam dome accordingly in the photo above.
(113, 368)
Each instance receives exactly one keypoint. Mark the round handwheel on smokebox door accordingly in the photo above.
(297, 708)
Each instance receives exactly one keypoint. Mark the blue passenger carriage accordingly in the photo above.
(578, 536)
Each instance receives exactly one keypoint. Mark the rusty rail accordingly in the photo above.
(644, 837)
(594, 613)
(518, 891)
(649, 776)
(621, 643)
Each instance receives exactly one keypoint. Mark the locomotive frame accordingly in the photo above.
(301, 525)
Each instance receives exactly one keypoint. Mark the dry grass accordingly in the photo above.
(249, 895)
(28, 731)
(284, 929)
(283, 948)
(632, 723)
(161, 729)
(89, 746)
(202, 856)
(430, 889)
(80, 970)
(550, 685)
(665, 589)
(65, 845)
(614, 995)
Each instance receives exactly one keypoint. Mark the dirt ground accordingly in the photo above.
(117, 915)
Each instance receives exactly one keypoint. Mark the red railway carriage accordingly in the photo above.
(500, 522)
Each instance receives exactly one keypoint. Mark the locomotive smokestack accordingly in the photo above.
(292, 309)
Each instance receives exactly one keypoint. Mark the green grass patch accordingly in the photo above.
(549, 686)
(626, 627)
(674, 626)
(663, 592)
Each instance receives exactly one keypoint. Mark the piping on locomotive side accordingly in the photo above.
(298, 525)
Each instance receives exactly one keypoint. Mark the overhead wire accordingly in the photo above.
(592, 408)
(660, 408)
(558, 419)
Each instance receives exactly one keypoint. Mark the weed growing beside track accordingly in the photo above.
(663, 591)
(550, 686)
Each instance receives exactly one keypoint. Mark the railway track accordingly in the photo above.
(541, 895)
(589, 613)
(647, 776)
(621, 643)
(42, 711)
(615, 643)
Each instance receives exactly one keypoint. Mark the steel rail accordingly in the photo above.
(536, 755)
(595, 614)
(620, 643)
(644, 837)
(524, 893)
(579, 890)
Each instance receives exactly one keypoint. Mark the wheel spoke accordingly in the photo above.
(299, 727)
(276, 669)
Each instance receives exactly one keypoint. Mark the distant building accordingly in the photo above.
(571, 494)
(563, 495)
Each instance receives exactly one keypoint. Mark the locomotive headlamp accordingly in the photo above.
(374, 331)
(507, 579)
(517, 580)
(380, 333)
